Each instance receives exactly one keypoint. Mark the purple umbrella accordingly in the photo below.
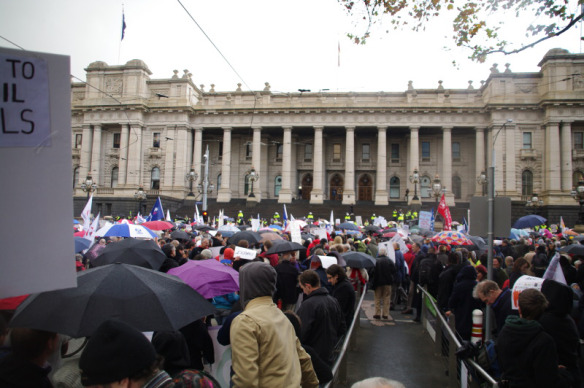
(209, 278)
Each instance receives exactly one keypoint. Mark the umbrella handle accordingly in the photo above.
(78, 350)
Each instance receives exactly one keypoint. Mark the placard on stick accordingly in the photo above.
(36, 172)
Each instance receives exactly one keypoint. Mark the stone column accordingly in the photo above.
(96, 155)
(316, 195)
(85, 167)
(256, 152)
(182, 163)
(135, 158)
(349, 189)
(446, 176)
(224, 194)
(286, 191)
(169, 146)
(123, 161)
(566, 156)
(480, 159)
(198, 156)
(414, 159)
(510, 165)
(552, 171)
(381, 195)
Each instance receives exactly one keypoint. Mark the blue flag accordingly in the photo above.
(123, 25)
(157, 214)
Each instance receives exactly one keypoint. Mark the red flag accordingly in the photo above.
(445, 213)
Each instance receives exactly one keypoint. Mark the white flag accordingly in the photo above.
(168, 215)
(90, 235)
(86, 214)
(197, 214)
(554, 271)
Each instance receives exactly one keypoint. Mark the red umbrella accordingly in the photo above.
(158, 225)
(81, 233)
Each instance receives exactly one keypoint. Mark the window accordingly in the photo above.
(277, 185)
(155, 178)
(426, 150)
(220, 150)
(395, 153)
(526, 183)
(117, 138)
(156, 140)
(78, 140)
(218, 182)
(336, 152)
(75, 176)
(248, 150)
(108, 209)
(394, 187)
(114, 182)
(457, 187)
(308, 152)
(456, 150)
(578, 140)
(366, 152)
(527, 141)
(279, 151)
(425, 186)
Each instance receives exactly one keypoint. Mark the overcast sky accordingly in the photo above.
(291, 44)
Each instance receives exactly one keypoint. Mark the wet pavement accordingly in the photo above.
(396, 348)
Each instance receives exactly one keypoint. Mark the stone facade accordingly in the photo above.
(130, 130)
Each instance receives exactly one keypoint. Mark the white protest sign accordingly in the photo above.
(255, 224)
(243, 253)
(295, 232)
(359, 220)
(402, 244)
(320, 232)
(388, 246)
(327, 261)
(425, 221)
(523, 283)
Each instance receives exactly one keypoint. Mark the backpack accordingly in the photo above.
(487, 359)
(424, 273)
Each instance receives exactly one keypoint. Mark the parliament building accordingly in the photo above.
(132, 132)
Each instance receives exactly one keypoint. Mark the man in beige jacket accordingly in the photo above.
(265, 349)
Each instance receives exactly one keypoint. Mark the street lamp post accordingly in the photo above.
(578, 195)
(253, 177)
(191, 177)
(205, 188)
(415, 179)
(89, 186)
(140, 196)
(533, 204)
(436, 193)
(482, 180)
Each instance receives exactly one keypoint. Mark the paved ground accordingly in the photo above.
(396, 348)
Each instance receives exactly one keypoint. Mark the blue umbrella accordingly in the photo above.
(81, 244)
(75, 221)
(348, 225)
(529, 221)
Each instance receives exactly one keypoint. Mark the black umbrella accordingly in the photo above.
(205, 228)
(285, 246)
(249, 236)
(143, 253)
(372, 228)
(145, 299)
(573, 249)
(479, 243)
(358, 260)
(180, 235)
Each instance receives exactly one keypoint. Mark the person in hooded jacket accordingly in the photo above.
(462, 303)
(527, 354)
(557, 322)
(447, 278)
(343, 291)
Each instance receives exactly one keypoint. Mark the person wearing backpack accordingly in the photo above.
(429, 272)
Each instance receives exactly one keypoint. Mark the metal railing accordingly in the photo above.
(339, 369)
(462, 372)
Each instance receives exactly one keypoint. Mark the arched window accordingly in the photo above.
(576, 176)
(218, 182)
(155, 179)
(526, 183)
(425, 187)
(394, 187)
(114, 182)
(457, 187)
(75, 177)
(277, 185)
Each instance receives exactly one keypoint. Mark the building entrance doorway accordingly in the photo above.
(365, 191)
(306, 187)
(336, 188)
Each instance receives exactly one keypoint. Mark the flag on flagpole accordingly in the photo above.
(90, 235)
(168, 215)
(554, 271)
(465, 225)
(562, 226)
(285, 216)
(444, 211)
(332, 221)
(140, 219)
(123, 25)
(86, 214)
(156, 214)
(197, 214)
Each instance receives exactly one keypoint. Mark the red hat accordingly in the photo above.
(482, 269)
(228, 254)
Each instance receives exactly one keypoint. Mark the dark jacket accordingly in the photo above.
(385, 272)
(502, 307)
(286, 282)
(322, 322)
(19, 373)
(462, 303)
(344, 293)
(199, 342)
(400, 265)
(446, 284)
(527, 354)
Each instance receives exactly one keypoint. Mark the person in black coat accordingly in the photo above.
(462, 303)
(321, 316)
(343, 291)
(286, 282)
(383, 278)
(199, 342)
(447, 278)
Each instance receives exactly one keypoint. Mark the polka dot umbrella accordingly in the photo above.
(451, 237)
